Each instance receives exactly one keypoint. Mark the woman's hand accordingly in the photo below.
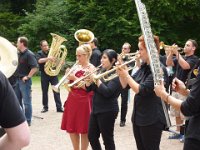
(160, 90)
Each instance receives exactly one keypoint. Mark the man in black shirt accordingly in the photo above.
(96, 53)
(46, 79)
(27, 67)
(126, 48)
(12, 119)
(183, 65)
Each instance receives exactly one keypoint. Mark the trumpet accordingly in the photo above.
(127, 56)
(112, 73)
(56, 87)
(169, 48)
(69, 86)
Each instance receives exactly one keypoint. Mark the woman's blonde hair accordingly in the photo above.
(85, 49)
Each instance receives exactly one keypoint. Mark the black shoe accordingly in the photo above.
(122, 124)
(29, 124)
(60, 110)
(44, 110)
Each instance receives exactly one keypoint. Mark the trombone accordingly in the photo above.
(56, 87)
(170, 48)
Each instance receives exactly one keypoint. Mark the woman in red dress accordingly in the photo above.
(77, 107)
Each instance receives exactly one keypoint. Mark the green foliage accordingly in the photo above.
(8, 22)
(112, 22)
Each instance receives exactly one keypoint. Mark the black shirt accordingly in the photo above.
(41, 54)
(191, 107)
(182, 74)
(147, 106)
(11, 113)
(105, 96)
(95, 57)
(27, 61)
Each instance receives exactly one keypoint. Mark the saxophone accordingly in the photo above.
(152, 51)
(58, 51)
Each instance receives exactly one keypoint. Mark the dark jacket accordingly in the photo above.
(105, 96)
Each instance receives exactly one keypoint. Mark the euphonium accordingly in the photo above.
(8, 57)
(59, 52)
(84, 36)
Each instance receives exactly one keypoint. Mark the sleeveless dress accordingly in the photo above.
(77, 109)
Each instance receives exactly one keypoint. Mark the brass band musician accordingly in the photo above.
(77, 107)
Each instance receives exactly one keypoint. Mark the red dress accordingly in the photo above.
(77, 110)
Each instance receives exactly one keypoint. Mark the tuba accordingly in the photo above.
(8, 57)
(84, 36)
(58, 51)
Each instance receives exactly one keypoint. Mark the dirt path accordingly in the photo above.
(46, 133)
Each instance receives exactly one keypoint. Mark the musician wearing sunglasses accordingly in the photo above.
(148, 117)
(77, 107)
(104, 104)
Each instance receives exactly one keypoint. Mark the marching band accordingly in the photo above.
(94, 83)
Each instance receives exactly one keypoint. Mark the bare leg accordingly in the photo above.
(179, 122)
(84, 141)
(75, 140)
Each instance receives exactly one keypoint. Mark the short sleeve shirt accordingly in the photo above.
(11, 113)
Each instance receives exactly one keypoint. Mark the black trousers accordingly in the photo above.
(148, 137)
(124, 104)
(45, 80)
(102, 123)
(191, 144)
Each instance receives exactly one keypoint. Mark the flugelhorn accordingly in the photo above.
(56, 87)
(170, 47)
(84, 36)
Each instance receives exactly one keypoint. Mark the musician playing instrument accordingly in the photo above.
(77, 107)
(183, 65)
(126, 48)
(148, 116)
(189, 107)
(104, 105)
(42, 58)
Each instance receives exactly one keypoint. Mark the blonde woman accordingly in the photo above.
(77, 107)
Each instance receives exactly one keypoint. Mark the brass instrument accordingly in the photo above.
(112, 72)
(59, 52)
(56, 87)
(168, 47)
(69, 86)
(127, 56)
(8, 57)
(84, 36)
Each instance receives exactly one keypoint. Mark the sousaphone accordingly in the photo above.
(8, 57)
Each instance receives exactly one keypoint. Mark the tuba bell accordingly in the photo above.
(84, 36)
(59, 52)
(8, 57)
